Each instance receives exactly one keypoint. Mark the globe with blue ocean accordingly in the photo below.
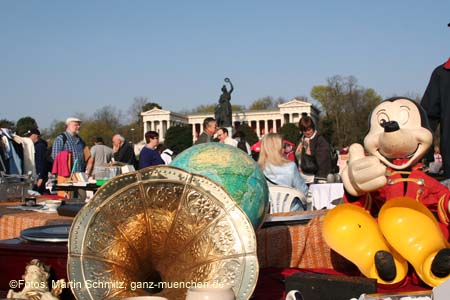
(232, 168)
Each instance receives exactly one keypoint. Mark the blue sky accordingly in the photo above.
(60, 58)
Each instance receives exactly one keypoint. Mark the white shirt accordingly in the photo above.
(230, 141)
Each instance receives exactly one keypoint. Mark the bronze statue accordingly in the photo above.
(222, 113)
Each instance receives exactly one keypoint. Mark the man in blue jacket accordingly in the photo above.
(149, 156)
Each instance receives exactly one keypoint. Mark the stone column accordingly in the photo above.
(145, 126)
(162, 134)
(193, 131)
(258, 129)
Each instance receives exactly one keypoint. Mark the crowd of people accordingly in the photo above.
(283, 162)
(277, 157)
(70, 154)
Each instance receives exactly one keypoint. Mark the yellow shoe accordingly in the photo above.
(412, 230)
(353, 233)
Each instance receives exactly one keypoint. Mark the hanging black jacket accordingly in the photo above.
(436, 102)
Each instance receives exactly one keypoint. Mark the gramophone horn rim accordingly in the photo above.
(230, 235)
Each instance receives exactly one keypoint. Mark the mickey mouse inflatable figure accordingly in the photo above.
(394, 213)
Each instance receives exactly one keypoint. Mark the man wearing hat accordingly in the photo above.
(436, 102)
(40, 159)
(69, 151)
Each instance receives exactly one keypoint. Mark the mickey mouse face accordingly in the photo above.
(396, 135)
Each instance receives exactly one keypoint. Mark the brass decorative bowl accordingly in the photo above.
(160, 230)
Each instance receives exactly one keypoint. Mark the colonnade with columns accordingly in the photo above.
(160, 126)
(262, 122)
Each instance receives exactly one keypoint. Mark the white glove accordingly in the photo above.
(363, 173)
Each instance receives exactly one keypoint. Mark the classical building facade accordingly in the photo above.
(262, 121)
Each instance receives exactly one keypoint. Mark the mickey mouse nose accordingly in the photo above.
(390, 126)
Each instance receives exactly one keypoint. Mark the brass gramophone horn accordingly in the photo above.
(160, 229)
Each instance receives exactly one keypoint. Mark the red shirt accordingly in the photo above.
(416, 185)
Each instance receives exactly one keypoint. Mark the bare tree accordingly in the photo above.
(136, 108)
(139, 105)
(105, 122)
(416, 97)
(280, 100)
(204, 109)
(346, 107)
(237, 107)
(263, 103)
(301, 98)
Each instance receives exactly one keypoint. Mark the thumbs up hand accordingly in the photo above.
(363, 173)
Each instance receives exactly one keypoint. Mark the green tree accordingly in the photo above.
(250, 134)
(290, 132)
(151, 105)
(204, 109)
(237, 107)
(56, 128)
(178, 138)
(4, 123)
(346, 107)
(24, 124)
(105, 122)
(210, 108)
(326, 128)
(262, 103)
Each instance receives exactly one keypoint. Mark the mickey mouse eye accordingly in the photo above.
(382, 119)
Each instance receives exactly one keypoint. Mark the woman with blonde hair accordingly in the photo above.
(278, 169)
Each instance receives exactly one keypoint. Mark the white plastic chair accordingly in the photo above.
(281, 197)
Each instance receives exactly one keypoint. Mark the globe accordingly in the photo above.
(232, 168)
